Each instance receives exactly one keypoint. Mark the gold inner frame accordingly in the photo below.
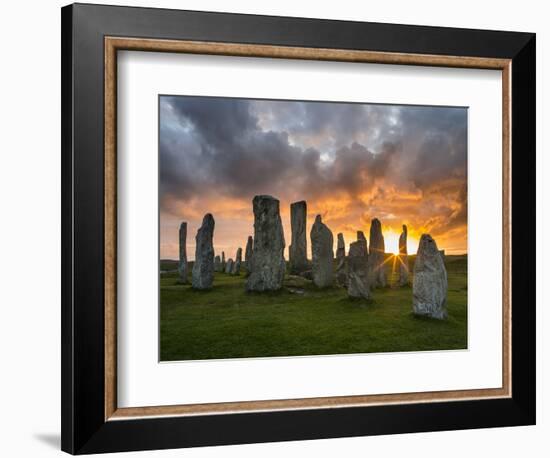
(114, 44)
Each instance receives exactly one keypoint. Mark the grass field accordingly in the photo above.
(227, 322)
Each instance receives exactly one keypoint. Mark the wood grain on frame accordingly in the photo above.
(112, 45)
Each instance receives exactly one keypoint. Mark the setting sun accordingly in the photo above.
(391, 240)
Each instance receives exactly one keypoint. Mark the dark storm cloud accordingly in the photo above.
(237, 148)
(226, 152)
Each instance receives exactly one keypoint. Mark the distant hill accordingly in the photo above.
(168, 264)
(459, 262)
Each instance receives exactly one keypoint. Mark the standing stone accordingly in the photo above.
(223, 262)
(236, 268)
(203, 268)
(358, 270)
(229, 266)
(403, 258)
(442, 253)
(377, 269)
(217, 264)
(183, 268)
(361, 236)
(430, 281)
(322, 254)
(248, 253)
(298, 247)
(267, 264)
(341, 275)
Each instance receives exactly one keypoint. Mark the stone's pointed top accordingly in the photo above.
(428, 254)
(340, 237)
(318, 219)
(250, 239)
(361, 236)
(375, 222)
(183, 224)
(208, 219)
(427, 245)
(405, 228)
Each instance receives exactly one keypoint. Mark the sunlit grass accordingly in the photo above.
(226, 322)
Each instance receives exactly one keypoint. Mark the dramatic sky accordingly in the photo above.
(350, 162)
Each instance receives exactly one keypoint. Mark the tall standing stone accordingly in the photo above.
(377, 269)
(248, 253)
(203, 268)
(361, 236)
(267, 264)
(322, 254)
(298, 247)
(183, 268)
(236, 269)
(430, 281)
(229, 266)
(403, 258)
(223, 262)
(217, 264)
(341, 275)
(358, 270)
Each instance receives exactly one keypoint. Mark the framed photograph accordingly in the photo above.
(284, 228)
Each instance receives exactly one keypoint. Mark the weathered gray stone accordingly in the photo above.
(377, 268)
(298, 247)
(442, 253)
(248, 253)
(203, 268)
(229, 266)
(183, 268)
(403, 258)
(430, 280)
(340, 246)
(267, 264)
(236, 269)
(217, 264)
(322, 254)
(361, 236)
(341, 274)
(358, 270)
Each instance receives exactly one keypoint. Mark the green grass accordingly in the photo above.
(227, 322)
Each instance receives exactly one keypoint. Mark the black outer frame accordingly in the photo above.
(84, 429)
